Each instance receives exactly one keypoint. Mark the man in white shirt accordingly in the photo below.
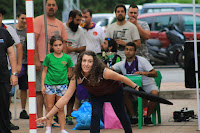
(141, 66)
(94, 33)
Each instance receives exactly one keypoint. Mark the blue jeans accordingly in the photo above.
(117, 101)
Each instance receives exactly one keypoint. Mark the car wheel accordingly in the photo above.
(181, 59)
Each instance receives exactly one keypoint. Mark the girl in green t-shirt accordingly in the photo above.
(54, 81)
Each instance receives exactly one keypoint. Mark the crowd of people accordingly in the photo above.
(79, 53)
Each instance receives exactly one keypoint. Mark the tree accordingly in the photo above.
(106, 6)
(7, 5)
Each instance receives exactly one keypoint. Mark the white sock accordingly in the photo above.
(64, 131)
(48, 130)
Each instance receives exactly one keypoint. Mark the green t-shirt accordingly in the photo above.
(57, 69)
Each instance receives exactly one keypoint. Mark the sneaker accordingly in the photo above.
(147, 120)
(134, 120)
(55, 118)
(69, 120)
(13, 127)
(24, 115)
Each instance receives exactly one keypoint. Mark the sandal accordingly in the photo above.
(40, 125)
(55, 124)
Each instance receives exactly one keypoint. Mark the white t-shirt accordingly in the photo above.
(94, 38)
(143, 65)
(15, 37)
(76, 40)
(127, 32)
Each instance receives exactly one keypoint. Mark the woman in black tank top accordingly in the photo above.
(102, 84)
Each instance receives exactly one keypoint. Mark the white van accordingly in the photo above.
(168, 7)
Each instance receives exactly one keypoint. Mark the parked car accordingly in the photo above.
(184, 21)
(9, 21)
(168, 7)
(103, 19)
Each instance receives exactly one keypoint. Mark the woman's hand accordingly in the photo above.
(41, 119)
(137, 88)
(138, 73)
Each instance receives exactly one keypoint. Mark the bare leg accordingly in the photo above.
(76, 103)
(40, 102)
(70, 108)
(152, 105)
(129, 104)
(23, 95)
(61, 116)
(50, 100)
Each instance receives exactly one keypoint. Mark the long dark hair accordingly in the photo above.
(53, 39)
(112, 42)
(96, 72)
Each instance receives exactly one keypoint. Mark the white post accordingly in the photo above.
(31, 66)
(196, 62)
(15, 102)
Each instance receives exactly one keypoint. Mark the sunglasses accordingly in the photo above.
(108, 39)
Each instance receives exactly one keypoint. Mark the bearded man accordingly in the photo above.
(75, 44)
(76, 38)
(123, 31)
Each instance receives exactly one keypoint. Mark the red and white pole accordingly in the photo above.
(31, 66)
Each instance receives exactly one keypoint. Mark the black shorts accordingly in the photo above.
(23, 80)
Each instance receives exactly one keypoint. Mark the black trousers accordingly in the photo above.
(5, 88)
(117, 101)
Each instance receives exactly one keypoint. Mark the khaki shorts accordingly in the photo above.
(149, 88)
(38, 79)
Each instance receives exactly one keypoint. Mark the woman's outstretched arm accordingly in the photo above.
(110, 74)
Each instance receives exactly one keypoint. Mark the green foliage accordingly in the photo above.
(97, 6)
(106, 6)
(178, 1)
(20, 5)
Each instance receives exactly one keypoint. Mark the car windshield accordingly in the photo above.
(190, 9)
(97, 19)
(160, 10)
(188, 23)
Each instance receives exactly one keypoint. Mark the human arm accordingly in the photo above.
(19, 57)
(109, 74)
(36, 57)
(65, 37)
(18, 46)
(76, 50)
(143, 29)
(13, 63)
(44, 72)
(120, 42)
(65, 47)
(137, 43)
(151, 73)
(69, 72)
(62, 101)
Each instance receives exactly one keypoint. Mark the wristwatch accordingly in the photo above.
(14, 74)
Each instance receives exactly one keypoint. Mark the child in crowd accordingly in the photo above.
(54, 81)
